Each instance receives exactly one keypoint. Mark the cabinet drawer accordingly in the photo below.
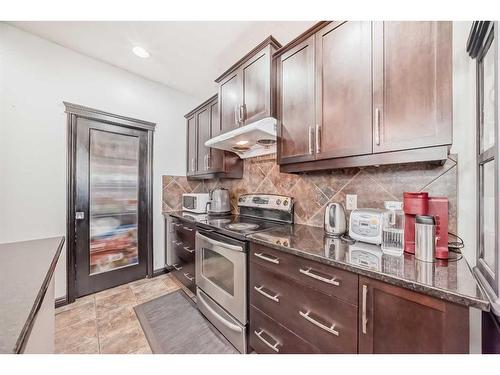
(330, 280)
(269, 337)
(183, 250)
(185, 273)
(326, 322)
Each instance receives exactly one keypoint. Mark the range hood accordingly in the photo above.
(258, 138)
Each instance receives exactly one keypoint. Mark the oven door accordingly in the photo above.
(221, 272)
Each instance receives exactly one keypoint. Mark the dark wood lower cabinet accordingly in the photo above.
(183, 245)
(396, 320)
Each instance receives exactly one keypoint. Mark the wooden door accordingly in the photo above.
(295, 103)
(343, 90)
(111, 209)
(216, 157)
(191, 146)
(230, 102)
(256, 81)
(203, 128)
(412, 85)
(396, 320)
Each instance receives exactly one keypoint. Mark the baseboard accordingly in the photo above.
(160, 271)
(61, 301)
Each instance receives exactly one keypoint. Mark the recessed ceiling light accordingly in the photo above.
(241, 143)
(141, 52)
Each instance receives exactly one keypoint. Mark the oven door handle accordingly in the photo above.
(218, 243)
(215, 314)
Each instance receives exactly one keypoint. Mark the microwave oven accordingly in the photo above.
(196, 203)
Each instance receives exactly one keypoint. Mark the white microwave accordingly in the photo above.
(196, 203)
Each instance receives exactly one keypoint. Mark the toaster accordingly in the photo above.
(365, 225)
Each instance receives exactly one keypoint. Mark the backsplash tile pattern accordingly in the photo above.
(312, 191)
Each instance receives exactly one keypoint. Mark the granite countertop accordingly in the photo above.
(450, 280)
(26, 269)
(185, 216)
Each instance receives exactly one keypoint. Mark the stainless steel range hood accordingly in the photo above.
(258, 138)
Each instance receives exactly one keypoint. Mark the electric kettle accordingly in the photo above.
(219, 201)
(335, 221)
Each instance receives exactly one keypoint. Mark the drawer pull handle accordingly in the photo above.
(308, 272)
(273, 347)
(189, 229)
(190, 278)
(364, 319)
(188, 249)
(267, 295)
(267, 258)
(318, 324)
(177, 267)
(177, 225)
(178, 243)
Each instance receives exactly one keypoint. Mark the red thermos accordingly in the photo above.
(421, 204)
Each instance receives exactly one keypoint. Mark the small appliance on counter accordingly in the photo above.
(393, 228)
(335, 220)
(425, 238)
(219, 203)
(195, 202)
(365, 225)
(421, 204)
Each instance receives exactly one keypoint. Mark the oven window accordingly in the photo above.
(218, 270)
(188, 202)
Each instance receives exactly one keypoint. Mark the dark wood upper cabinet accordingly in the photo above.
(412, 85)
(205, 162)
(191, 145)
(382, 95)
(295, 103)
(245, 88)
(343, 90)
(396, 320)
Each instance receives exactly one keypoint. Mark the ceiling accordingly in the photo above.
(185, 55)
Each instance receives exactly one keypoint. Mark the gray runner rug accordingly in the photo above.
(173, 325)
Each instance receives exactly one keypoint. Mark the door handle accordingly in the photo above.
(310, 141)
(377, 126)
(318, 139)
(79, 215)
(242, 113)
(364, 319)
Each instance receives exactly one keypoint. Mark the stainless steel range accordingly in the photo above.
(221, 261)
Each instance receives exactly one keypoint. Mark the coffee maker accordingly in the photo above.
(421, 204)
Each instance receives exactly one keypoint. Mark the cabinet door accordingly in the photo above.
(216, 157)
(203, 125)
(396, 320)
(256, 80)
(230, 102)
(191, 145)
(343, 90)
(412, 83)
(295, 103)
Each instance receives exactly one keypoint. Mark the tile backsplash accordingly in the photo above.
(313, 191)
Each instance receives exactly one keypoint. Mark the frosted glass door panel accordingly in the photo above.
(114, 189)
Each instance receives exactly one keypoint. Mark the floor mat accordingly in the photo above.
(173, 325)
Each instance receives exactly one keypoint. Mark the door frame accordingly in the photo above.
(75, 111)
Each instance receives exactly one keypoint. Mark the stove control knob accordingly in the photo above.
(242, 199)
(285, 203)
(278, 201)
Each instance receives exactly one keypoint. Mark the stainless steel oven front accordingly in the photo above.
(221, 280)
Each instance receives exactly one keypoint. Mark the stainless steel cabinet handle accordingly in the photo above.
(189, 229)
(208, 161)
(188, 249)
(308, 272)
(186, 275)
(178, 243)
(243, 113)
(236, 114)
(192, 164)
(310, 141)
(377, 126)
(267, 258)
(364, 320)
(177, 225)
(273, 347)
(267, 295)
(177, 267)
(318, 139)
(330, 329)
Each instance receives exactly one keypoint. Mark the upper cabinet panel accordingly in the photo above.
(295, 103)
(412, 85)
(344, 90)
(229, 102)
(191, 145)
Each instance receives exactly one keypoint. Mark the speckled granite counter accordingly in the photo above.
(186, 216)
(26, 269)
(450, 280)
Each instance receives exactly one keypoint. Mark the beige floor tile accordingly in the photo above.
(109, 292)
(123, 341)
(77, 337)
(114, 301)
(79, 302)
(116, 320)
(151, 290)
(76, 315)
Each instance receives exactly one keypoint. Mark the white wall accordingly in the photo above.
(464, 137)
(35, 77)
